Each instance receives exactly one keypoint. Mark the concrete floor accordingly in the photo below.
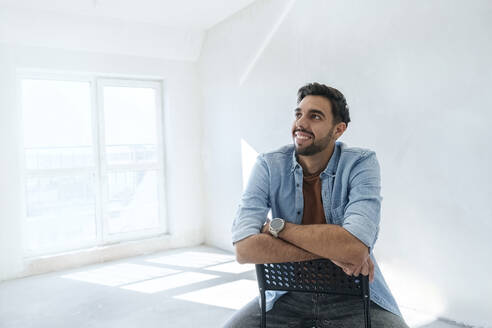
(190, 287)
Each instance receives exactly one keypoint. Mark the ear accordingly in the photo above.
(340, 129)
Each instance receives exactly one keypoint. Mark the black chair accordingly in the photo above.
(316, 276)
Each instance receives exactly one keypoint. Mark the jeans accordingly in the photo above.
(305, 310)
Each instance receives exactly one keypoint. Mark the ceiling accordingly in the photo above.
(187, 14)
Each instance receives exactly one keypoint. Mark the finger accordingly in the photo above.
(358, 270)
(344, 266)
(348, 271)
(365, 269)
(341, 264)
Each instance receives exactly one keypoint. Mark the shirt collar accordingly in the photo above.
(332, 163)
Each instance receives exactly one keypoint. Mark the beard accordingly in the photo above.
(317, 146)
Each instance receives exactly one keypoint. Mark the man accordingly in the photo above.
(325, 198)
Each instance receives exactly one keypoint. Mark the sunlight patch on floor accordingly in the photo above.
(232, 267)
(232, 295)
(193, 259)
(169, 282)
(119, 274)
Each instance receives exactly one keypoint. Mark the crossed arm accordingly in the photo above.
(307, 242)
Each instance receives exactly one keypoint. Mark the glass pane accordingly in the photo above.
(132, 200)
(131, 154)
(60, 212)
(54, 158)
(130, 125)
(57, 124)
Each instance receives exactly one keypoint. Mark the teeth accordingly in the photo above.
(302, 136)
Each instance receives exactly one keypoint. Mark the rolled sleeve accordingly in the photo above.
(255, 203)
(362, 229)
(363, 209)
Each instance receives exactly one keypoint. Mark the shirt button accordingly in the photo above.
(298, 212)
(297, 185)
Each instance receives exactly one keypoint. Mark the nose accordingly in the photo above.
(301, 123)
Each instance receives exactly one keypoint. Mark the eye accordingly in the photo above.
(316, 117)
(297, 115)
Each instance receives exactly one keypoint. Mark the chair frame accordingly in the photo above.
(315, 276)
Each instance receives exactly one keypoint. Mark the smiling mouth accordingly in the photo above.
(301, 137)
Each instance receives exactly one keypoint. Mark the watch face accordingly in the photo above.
(276, 224)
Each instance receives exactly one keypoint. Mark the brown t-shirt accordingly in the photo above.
(313, 204)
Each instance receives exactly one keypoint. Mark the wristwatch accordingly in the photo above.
(276, 225)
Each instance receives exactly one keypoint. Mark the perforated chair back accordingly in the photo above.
(316, 276)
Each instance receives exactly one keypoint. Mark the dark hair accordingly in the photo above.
(338, 102)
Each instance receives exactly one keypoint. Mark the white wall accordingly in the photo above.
(417, 77)
(182, 138)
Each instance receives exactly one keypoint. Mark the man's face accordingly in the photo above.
(313, 128)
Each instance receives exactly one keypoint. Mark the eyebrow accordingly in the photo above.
(312, 111)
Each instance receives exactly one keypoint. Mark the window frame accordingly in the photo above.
(97, 83)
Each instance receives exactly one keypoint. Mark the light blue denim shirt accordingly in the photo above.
(350, 190)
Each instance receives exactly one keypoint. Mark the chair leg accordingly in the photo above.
(263, 309)
(367, 317)
(366, 294)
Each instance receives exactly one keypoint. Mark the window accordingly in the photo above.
(93, 161)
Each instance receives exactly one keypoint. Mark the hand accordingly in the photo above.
(366, 268)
